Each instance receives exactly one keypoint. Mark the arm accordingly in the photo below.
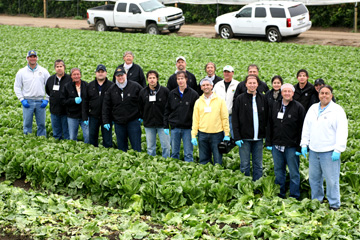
(235, 120)
(269, 127)
(341, 131)
(46, 78)
(196, 120)
(85, 104)
(18, 85)
(300, 124)
(142, 78)
(106, 108)
(305, 134)
(141, 104)
(225, 118)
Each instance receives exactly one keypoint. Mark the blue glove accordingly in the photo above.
(239, 142)
(78, 100)
(297, 153)
(107, 126)
(335, 156)
(166, 131)
(25, 103)
(194, 141)
(44, 103)
(226, 138)
(140, 120)
(86, 122)
(269, 148)
(304, 151)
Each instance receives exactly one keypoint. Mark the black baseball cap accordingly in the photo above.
(120, 71)
(319, 81)
(101, 67)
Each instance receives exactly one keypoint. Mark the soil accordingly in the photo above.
(319, 36)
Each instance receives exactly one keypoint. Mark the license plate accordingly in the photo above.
(177, 26)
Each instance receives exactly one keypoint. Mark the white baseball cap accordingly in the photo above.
(228, 68)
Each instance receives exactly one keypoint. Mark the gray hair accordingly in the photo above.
(128, 52)
(74, 69)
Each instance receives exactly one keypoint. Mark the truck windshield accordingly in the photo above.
(151, 5)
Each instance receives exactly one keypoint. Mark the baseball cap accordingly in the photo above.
(180, 57)
(31, 53)
(228, 68)
(319, 81)
(120, 71)
(100, 67)
(287, 85)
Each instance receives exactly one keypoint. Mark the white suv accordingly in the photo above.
(273, 19)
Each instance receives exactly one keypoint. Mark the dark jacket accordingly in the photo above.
(153, 112)
(241, 88)
(191, 82)
(135, 74)
(315, 98)
(121, 109)
(93, 99)
(56, 106)
(287, 131)
(242, 116)
(68, 96)
(303, 96)
(178, 111)
(270, 97)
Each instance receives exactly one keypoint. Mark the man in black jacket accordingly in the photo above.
(178, 114)
(152, 103)
(210, 69)
(283, 136)
(121, 105)
(249, 119)
(54, 85)
(133, 71)
(71, 97)
(181, 66)
(303, 89)
(93, 100)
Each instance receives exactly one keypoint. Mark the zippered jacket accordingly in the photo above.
(135, 74)
(68, 96)
(56, 106)
(228, 95)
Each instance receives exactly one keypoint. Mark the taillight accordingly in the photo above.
(87, 15)
(288, 22)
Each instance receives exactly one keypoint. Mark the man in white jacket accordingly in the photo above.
(225, 89)
(325, 132)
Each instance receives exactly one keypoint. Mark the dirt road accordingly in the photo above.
(336, 37)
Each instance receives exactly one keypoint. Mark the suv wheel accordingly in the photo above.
(226, 32)
(273, 35)
(101, 26)
(152, 29)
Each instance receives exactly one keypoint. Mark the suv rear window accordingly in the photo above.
(260, 12)
(277, 12)
(297, 10)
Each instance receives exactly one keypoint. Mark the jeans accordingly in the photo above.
(281, 159)
(176, 135)
(151, 141)
(208, 143)
(40, 116)
(74, 128)
(256, 150)
(94, 125)
(59, 126)
(321, 166)
(131, 130)
(230, 124)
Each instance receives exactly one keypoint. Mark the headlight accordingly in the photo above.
(161, 19)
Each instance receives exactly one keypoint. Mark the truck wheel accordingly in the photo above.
(152, 29)
(273, 35)
(101, 26)
(226, 32)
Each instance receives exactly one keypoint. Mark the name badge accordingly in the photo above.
(56, 87)
(207, 109)
(152, 98)
(280, 115)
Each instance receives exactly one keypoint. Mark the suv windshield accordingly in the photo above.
(297, 10)
(151, 5)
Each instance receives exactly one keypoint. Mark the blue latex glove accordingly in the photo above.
(304, 151)
(140, 120)
(335, 156)
(86, 122)
(107, 126)
(269, 148)
(44, 103)
(226, 138)
(25, 103)
(78, 100)
(239, 142)
(297, 153)
(194, 141)
(166, 131)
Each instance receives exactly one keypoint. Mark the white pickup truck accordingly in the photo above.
(149, 15)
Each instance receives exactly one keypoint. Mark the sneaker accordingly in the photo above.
(334, 208)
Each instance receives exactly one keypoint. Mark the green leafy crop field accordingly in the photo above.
(107, 194)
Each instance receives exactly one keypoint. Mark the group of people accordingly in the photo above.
(293, 119)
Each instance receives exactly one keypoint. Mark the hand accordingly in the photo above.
(304, 151)
(194, 141)
(239, 142)
(297, 153)
(269, 148)
(226, 138)
(166, 131)
(107, 126)
(335, 156)
(44, 103)
(25, 103)
(86, 122)
(78, 100)
(140, 120)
